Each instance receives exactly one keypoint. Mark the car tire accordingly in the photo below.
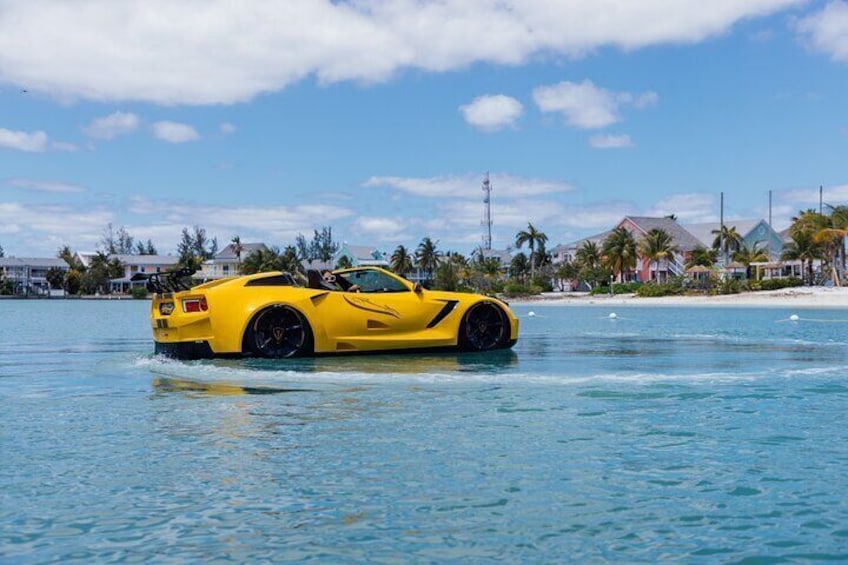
(278, 332)
(484, 327)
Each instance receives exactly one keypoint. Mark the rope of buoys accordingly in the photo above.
(797, 318)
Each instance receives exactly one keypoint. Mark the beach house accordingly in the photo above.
(144, 264)
(227, 262)
(28, 275)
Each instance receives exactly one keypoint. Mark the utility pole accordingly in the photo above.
(770, 209)
(487, 217)
(721, 232)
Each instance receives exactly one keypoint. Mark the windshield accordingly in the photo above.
(372, 281)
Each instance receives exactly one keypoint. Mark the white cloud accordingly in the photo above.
(64, 146)
(587, 106)
(39, 230)
(492, 112)
(113, 125)
(809, 197)
(610, 141)
(277, 223)
(227, 128)
(174, 132)
(688, 208)
(826, 30)
(469, 186)
(382, 229)
(53, 187)
(174, 53)
(34, 142)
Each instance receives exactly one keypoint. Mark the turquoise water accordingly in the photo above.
(678, 435)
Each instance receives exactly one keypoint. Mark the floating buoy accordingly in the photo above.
(794, 318)
(531, 313)
(613, 316)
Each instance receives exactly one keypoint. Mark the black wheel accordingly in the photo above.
(484, 327)
(278, 332)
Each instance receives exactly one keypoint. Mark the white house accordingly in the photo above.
(145, 264)
(227, 263)
(29, 274)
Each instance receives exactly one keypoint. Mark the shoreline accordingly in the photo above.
(796, 297)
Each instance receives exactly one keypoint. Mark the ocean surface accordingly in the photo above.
(687, 435)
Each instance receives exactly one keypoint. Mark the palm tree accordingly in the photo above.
(802, 247)
(401, 261)
(657, 245)
(839, 219)
(427, 256)
(55, 277)
(533, 238)
(727, 240)
(588, 256)
(820, 228)
(620, 251)
(589, 260)
(264, 260)
(702, 256)
(519, 266)
(747, 255)
(237, 249)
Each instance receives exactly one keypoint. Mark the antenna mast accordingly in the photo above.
(487, 217)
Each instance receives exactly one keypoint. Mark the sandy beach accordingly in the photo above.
(798, 297)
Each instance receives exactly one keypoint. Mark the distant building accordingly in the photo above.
(362, 256)
(145, 264)
(503, 256)
(567, 252)
(28, 275)
(753, 232)
(132, 265)
(685, 242)
(226, 262)
(687, 238)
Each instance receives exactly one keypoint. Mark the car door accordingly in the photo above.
(376, 312)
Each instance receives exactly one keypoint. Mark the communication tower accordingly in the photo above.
(487, 217)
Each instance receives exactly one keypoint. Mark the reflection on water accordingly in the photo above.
(171, 384)
(492, 361)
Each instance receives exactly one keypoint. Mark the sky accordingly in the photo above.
(381, 118)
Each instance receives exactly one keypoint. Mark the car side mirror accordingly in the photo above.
(417, 288)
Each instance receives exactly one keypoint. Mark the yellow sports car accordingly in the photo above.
(363, 309)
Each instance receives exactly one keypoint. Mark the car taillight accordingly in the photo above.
(195, 305)
(166, 308)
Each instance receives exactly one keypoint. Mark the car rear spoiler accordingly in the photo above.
(172, 281)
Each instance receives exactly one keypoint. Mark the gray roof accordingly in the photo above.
(704, 231)
(502, 255)
(681, 236)
(597, 238)
(144, 260)
(38, 262)
(362, 252)
(246, 249)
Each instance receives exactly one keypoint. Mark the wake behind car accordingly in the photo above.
(365, 309)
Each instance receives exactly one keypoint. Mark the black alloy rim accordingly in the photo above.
(484, 327)
(279, 332)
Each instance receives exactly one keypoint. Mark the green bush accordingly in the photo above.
(617, 288)
(670, 288)
(728, 286)
(512, 289)
(138, 292)
(777, 284)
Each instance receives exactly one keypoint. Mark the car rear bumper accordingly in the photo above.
(184, 350)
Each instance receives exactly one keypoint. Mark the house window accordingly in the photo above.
(226, 270)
